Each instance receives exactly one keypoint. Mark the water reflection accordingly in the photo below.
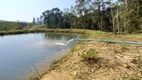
(16, 52)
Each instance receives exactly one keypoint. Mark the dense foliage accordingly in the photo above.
(122, 16)
(12, 25)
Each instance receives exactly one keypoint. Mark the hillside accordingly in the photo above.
(6, 25)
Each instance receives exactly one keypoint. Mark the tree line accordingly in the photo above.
(121, 16)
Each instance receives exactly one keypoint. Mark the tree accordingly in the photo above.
(33, 20)
(53, 18)
(122, 16)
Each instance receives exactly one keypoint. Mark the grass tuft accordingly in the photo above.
(89, 55)
(55, 62)
(138, 61)
(33, 78)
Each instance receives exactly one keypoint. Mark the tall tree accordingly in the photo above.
(33, 20)
(121, 16)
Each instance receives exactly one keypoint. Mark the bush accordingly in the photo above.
(89, 55)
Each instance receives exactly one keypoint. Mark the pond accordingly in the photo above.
(18, 51)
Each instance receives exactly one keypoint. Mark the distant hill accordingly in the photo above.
(15, 21)
(3, 21)
(12, 25)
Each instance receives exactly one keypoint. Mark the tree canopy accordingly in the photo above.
(122, 16)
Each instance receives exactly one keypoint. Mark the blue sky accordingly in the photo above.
(25, 10)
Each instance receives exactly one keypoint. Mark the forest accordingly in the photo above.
(117, 16)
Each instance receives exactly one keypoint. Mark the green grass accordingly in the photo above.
(37, 30)
(93, 34)
(89, 55)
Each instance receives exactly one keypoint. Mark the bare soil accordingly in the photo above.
(115, 62)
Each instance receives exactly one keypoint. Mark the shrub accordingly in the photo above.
(89, 55)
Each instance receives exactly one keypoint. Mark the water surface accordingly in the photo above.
(16, 52)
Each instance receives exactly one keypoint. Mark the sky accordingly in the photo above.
(25, 10)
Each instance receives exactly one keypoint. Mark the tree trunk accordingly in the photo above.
(102, 21)
(125, 16)
(118, 26)
(114, 28)
(138, 10)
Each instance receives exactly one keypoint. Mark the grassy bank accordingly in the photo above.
(11, 32)
(87, 33)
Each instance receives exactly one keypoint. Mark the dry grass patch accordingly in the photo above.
(100, 61)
